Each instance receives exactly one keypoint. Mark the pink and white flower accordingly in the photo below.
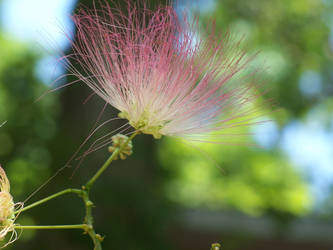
(162, 76)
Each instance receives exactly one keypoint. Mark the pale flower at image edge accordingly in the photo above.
(7, 210)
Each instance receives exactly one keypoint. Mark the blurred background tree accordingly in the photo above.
(169, 195)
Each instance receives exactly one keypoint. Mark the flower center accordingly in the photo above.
(147, 123)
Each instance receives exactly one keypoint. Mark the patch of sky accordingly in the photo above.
(187, 8)
(32, 20)
(266, 134)
(310, 83)
(190, 6)
(309, 145)
(41, 24)
(49, 70)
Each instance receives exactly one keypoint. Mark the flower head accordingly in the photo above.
(162, 76)
(7, 209)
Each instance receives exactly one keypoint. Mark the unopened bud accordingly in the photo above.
(117, 142)
(216, 246)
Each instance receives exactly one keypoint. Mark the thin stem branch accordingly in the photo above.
(66, 191)
(78, 226)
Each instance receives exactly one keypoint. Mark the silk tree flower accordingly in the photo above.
(7, 210)
(164, 76)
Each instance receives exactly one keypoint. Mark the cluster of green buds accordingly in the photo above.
(118, 141)
(216, 246)
(146, 123)
(7, 210)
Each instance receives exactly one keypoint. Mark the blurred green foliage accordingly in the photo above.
(30, 125)
(219, 176)
(291, 36)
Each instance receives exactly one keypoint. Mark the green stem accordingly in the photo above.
(108, 162)
(88, 219)
(66, 191)
(97, 239)
(78, 226)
